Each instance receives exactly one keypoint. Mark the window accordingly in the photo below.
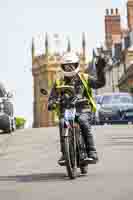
(126, 99)
(117, 99)
(106, 99)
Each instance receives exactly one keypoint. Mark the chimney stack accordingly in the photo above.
(112, 27)
(112, 11)
(107, 12)
(117, 11)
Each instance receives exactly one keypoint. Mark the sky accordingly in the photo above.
(22, 20)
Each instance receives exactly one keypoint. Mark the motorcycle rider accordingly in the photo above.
(83, 84)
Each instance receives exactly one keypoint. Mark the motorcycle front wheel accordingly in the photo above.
(70, 152)
(84, 169)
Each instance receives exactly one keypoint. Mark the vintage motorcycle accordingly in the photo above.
(74, 147)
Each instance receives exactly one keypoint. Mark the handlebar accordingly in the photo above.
(74, 102)
(81, 101)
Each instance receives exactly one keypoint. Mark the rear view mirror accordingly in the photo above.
(43, 91)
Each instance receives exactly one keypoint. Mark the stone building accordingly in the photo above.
(130, 14)
(45, 70)
(119, 44)
(113, 36)
(126, 80)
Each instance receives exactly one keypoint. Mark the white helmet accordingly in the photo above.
(70, 64)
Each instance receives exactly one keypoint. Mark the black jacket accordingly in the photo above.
(93, 83)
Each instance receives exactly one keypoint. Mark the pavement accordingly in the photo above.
(29, 169)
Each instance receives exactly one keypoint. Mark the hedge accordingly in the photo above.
(20, 122)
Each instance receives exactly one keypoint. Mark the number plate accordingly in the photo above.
(69, 114)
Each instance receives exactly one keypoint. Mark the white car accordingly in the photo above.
(7, 119)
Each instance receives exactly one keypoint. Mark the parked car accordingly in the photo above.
(116, 108)
(7, 119)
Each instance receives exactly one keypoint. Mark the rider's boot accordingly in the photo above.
(61, 161)
(85, 125)
(92, 157)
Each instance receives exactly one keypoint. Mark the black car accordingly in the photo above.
(116, 108)
(7, 119)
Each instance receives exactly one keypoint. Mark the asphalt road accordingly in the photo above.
(29, 169)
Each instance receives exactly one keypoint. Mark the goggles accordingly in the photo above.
(69, 67)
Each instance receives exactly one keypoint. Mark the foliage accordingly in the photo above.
(20, 122)
(131, 89)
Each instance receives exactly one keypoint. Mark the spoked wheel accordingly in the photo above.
(84, 169)
(70, 153)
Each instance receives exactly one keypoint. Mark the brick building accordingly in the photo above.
(119, 44)
(112, 27)
(113, 35)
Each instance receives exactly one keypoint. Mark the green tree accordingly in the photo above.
(20, 122)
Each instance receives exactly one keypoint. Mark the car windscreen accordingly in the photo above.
(98, 98)
(117, 99)
(106, 99)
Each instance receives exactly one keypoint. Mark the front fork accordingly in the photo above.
(80, 146)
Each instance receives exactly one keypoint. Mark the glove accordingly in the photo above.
(51, 106)
(101, 63)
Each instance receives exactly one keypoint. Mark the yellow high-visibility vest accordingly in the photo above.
(85, 80)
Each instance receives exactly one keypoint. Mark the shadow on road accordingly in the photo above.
(4, 133)
(45, 177)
